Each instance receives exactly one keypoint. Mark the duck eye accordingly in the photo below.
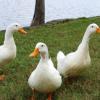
(16, 25)
(92, 26)
(42, 45)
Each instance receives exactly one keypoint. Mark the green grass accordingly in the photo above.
(64, 36)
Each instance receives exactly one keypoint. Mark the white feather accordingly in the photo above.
(76, 62)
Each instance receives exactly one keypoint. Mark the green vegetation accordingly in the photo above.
(64, 36)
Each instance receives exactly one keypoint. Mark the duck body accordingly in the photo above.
(74, 63)
(8, 49)
(45, 78)
(7, 54)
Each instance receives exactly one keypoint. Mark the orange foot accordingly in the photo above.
(32, 98)
(2, 77)
(50, 97)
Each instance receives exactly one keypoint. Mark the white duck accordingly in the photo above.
(74, 63)
(45, 78)
(8, 49)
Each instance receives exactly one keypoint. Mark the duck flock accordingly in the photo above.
(46, 78)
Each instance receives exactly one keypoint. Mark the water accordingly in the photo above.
(22, 10)
(16, 11)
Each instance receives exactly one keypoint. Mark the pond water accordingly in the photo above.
(22, 10)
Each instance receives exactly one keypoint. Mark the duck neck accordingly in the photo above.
(86, 38)
(9, 40)
(44, 56)
(84, 46)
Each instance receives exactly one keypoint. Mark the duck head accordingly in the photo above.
(93, 28)
(41, 49)
(16, 27)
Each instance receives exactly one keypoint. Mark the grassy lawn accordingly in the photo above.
(64, 36)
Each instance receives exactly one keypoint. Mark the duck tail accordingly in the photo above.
(60, 56)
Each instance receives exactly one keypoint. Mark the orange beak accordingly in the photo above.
(98, 30)
(34, 53)
(21, 30)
